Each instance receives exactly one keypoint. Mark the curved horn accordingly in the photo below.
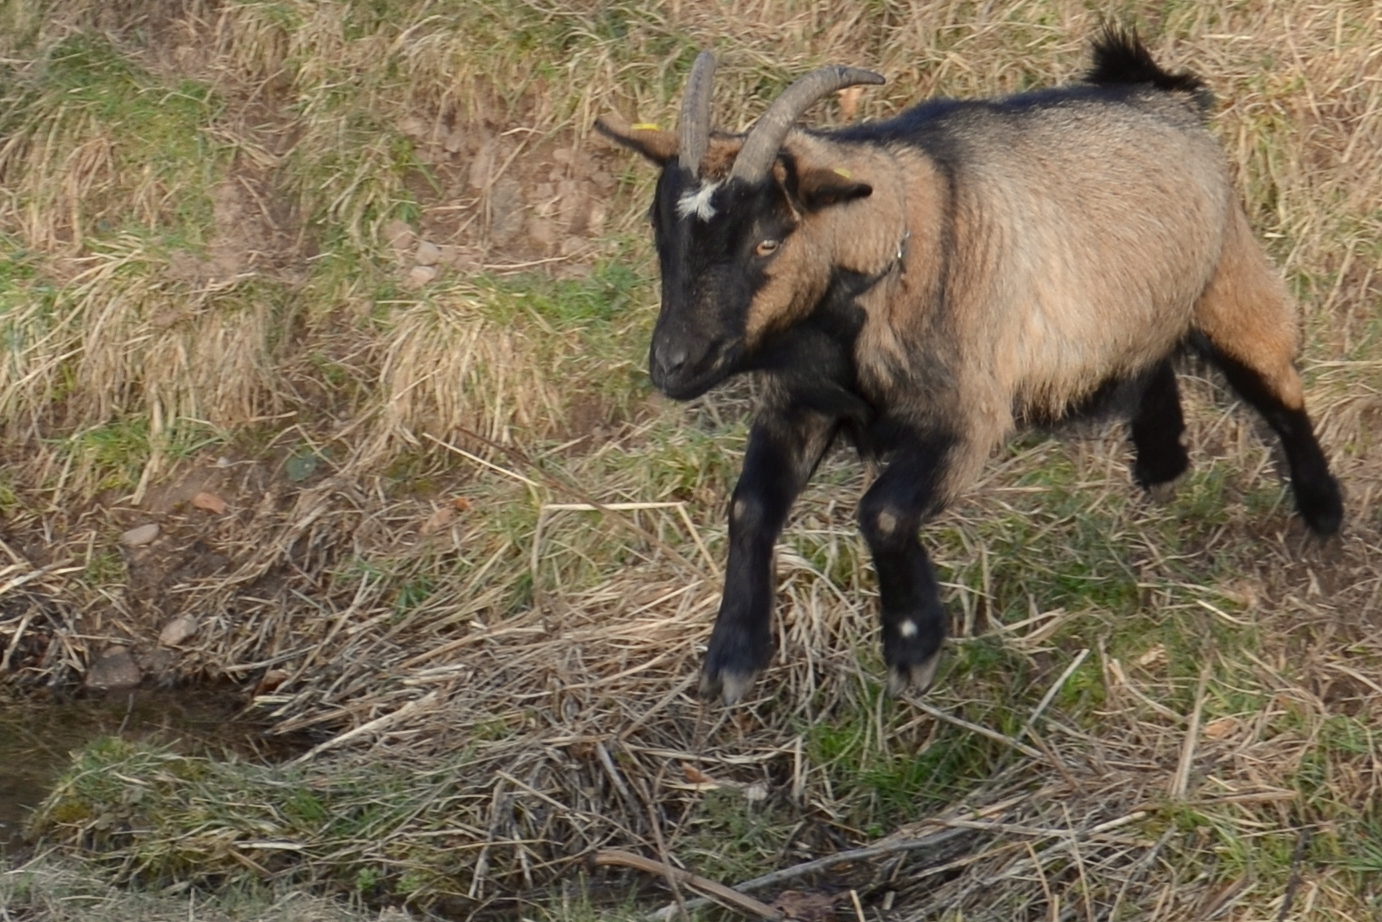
(693, 129)
(768, 133)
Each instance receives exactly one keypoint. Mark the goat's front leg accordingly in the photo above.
(784, 448)
(890, 515)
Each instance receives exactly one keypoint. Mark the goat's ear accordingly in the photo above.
(819, 188)
(652, 142)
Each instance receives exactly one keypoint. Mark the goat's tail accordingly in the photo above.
(1121, 58)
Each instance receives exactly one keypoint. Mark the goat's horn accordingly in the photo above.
(761, 146)
(694, 127)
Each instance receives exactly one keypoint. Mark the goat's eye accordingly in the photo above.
(766, 247)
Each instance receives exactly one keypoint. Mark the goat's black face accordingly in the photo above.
(715, 241)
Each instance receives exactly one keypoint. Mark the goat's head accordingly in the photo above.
(726, 215)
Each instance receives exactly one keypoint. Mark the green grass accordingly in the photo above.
(163, 159)
(119, 795)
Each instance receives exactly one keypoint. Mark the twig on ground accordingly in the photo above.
(1181, 781)
(1051, 693)
(982, 731)
(391, 717)
(719, 892)
(1293, 884)
(561, 485)
(866, 853)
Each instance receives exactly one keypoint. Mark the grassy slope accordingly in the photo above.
(212, 215)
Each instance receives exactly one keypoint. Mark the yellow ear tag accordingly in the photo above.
(841, 171)
(646, 126)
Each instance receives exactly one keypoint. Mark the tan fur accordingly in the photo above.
(1246, 312)
(719, 156)
(1084, 248)
(652, 142)
(860, 236)
(661, 146)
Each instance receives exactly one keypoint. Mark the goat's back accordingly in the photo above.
(1086, 223)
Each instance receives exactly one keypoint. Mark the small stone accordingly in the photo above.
(158, 664)
(483, 165)
(420, 275)
(178, 630)
(413, 127)
(543, 232)
(115, 669)
(210, 502)
(455, 141)
(140, 536)
(427, 254)
(595, 222)
(400, 237)
(507, 211)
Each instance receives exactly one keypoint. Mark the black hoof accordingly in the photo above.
(1321, 504)
(732, 662)
(913, 678)
(1159, 472)
(912, 649)
(729, 687)
(1165, 491)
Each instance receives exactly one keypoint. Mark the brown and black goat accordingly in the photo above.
(927, 283)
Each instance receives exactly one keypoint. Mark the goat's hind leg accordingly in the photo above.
(1249, 323)
(1156, 428)
(1318, 498)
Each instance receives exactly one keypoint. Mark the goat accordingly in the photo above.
(928, 283)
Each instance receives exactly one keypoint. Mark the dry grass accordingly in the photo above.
(47, 889)
(1176, 703)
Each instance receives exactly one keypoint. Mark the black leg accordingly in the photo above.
(890, 514)
(1317, 492)
(1157, 425)
(784, 447)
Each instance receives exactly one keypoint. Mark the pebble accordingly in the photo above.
(178, 630)
(140, 536)
(427, 254)
(420, 275)
(115, 669)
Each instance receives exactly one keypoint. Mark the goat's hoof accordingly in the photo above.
(1321, 504)
(912, 677)
(1164, 488)
(729, 686)
(1162, 493)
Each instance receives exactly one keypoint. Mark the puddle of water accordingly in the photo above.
(38, 737)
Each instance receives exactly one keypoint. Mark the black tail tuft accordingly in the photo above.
(1121, 58)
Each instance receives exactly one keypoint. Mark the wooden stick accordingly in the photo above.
(1181, 782)
(975, 728)
(717, 891)
(864, 853)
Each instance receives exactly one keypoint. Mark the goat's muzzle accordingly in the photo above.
(684, 367)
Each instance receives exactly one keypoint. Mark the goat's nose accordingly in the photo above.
(671, 357)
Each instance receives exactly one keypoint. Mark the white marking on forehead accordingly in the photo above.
(698, 203)
(907, 628)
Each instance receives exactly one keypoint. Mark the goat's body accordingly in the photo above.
(1054, 242)
(929, 282)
